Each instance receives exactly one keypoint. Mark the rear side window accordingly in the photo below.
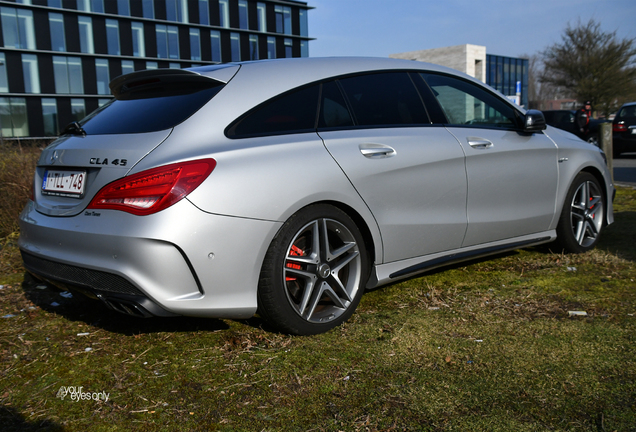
(384, 99)
(293, 112)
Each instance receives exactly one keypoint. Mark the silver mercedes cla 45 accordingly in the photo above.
(288, 187)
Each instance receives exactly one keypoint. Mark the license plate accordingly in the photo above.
(64, 183)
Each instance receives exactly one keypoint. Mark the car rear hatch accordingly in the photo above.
(108, 143)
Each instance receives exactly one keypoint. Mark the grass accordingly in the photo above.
(487, 346)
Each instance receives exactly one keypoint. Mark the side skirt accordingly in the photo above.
(392, 272)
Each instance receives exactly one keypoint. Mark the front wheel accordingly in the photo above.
(314, 272)
(582, 217)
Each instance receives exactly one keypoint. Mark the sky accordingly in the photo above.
(505, 27)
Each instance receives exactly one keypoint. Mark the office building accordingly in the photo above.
(508, 75)
(58, 56)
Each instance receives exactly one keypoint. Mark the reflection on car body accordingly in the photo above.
(288, 187)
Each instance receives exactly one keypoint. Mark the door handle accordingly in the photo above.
(479, 143)
(376, 151)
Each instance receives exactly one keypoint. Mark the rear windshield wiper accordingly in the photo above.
(74, 128)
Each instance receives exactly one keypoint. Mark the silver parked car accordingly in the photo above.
(288, 187)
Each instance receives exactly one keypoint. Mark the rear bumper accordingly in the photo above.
(180, 261)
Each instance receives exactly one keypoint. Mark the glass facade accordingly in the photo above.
(49, 114)
(195, 44)
(138, 40)
(17, 28)
(112, 37)
(30, 73)
(56, 25)
(4, 82)
(204, 12)
(67, 72)
(103, 76)
(86, 34)
(503, 74)
(133, 34)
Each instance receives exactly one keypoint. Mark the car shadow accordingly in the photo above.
(12, 420)
(77, 307)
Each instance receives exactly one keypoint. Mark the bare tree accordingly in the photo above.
(592, 65)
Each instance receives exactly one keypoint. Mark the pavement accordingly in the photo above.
(625, 170)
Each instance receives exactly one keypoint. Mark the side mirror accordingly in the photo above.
(534, 121)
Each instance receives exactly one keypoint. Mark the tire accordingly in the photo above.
(314, 272)
(582, 216)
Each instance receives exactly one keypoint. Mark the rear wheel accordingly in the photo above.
(314, 272)
(581, 220)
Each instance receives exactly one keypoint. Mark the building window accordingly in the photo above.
(235, 46)
(78, 109)
(68, 75)
(283, 19)
(271, 48)
(177, 10)
(195, 44)
(261, 17)
(148, 8)
(139, 45)
(288, 48)
(127, 66)
(302, 14)
(174, 65)
(90, 5)
(123, 7)
(304, 49)
(224, 13)
(103, 76)
(30, 72)
(49, 114)
(151, 65)
(13, 117)
(112, 36)
(215, 40)
(102, 102)
(167, 41)
(243, 18)
(54, 3)
(17, 28)
(56, 24)
(86, 34)
(253, 47)
(4, 82)
(204, 12)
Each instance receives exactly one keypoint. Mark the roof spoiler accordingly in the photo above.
(160, 82)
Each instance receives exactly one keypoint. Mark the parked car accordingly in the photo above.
(566, 120)
(288, 187)
(624, 129)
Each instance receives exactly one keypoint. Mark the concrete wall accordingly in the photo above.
(470, 59)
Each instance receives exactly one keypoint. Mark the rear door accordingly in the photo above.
(512, 175)
(410, 173)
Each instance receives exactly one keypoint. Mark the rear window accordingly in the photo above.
(628, 111)
(149, 101)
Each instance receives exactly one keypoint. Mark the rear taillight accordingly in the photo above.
(153, 190)
(619, 127)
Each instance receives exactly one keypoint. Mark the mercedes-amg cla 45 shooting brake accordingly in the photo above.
(288, 187)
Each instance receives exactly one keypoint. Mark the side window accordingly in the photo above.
(333, 108)
(467, 104)
(384, 99)
(293, 112)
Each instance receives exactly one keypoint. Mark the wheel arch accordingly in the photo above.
(361, 223)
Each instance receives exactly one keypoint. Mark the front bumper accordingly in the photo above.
(180, 261)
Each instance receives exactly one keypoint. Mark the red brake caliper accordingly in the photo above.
(295, 251)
